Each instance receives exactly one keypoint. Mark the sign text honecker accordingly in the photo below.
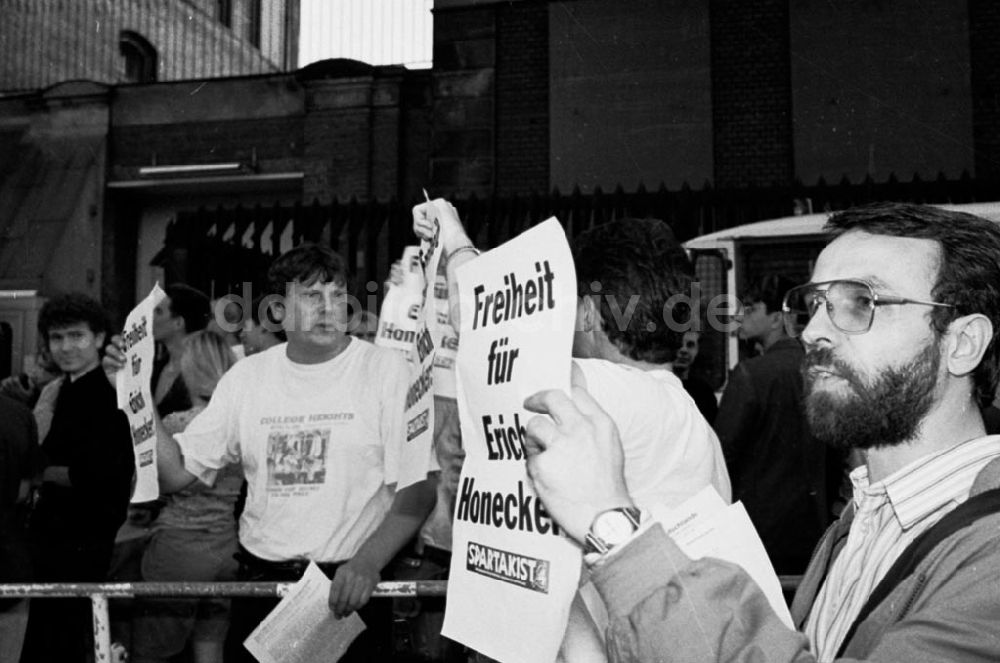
(526, 572)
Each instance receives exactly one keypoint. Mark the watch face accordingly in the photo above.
(613, 527)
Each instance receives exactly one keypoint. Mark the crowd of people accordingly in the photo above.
(280, 445)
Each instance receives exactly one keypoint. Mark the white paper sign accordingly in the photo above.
(301, 628)
(135, 397)
(702, 526)
(445, 339)
(417, 454)
(705, 526)
(512, 575)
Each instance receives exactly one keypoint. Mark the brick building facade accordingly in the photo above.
(525, 96)
(731, 93)
(44, 42)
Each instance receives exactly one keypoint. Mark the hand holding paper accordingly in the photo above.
(575, 459)
(301, 629)
(352, 587)
(442, 214)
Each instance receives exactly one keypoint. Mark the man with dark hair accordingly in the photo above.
(634, 283)
(701, 392)
(761, 322)
(900, 322)
(86, 479)
(778, 470)
(184, 310)
(317, 424)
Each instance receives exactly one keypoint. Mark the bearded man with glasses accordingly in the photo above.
(900, 324)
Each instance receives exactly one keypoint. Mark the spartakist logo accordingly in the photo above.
(526, 572)
(417, 425)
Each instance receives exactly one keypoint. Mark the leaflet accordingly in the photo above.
(301, 628)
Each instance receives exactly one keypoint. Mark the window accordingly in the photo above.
(224, 12)
(253, 27)
(140, 57)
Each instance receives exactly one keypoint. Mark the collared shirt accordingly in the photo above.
(889, 515)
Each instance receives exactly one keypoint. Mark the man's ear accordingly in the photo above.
(776, 320)
(588, 317)
(968, 338)
(276, 308)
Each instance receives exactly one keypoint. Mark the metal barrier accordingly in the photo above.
(98, 593)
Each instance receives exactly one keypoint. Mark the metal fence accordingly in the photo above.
(99, 593)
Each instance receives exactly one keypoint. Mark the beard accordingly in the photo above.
(880, 411)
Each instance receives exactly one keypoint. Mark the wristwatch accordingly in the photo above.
(612, 528)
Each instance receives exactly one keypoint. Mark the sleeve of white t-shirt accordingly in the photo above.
(211, 440)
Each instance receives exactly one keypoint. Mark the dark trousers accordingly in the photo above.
(62, 629)
(374, 645)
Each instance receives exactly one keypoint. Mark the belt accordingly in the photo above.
(290, 567)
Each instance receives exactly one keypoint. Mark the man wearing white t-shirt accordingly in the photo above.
(632, 280)
(317, 424)
(631, 275)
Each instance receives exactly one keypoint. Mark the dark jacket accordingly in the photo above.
(91, 437)
(665, 607)
(777, 469)
(18, 462)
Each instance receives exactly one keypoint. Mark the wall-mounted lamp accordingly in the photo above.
(192, 169)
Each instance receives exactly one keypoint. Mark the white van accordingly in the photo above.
(728, 261)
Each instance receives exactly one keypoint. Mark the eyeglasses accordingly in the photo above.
(849, 303)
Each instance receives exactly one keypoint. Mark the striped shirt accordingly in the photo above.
(888, 516)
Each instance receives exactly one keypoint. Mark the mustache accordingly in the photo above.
(820, 357)
(816, 357)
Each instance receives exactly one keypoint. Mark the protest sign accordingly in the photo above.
(513, 574)
(445, 338)
(135, 397)
(403, 305)
(406, 325)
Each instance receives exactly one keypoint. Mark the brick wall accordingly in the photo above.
(878, 88)
(43, 42)
(366, 137)
(274, 139)
(522, 97)
(415, 143)
(462, 149)
(353, 130)
(984, 47)
(337, 146)
(751, 92)
(630, 97)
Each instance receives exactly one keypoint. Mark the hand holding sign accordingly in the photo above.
(575, 459)
(440, 213)
(114, 358)
(511, 572)
(130, 357)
